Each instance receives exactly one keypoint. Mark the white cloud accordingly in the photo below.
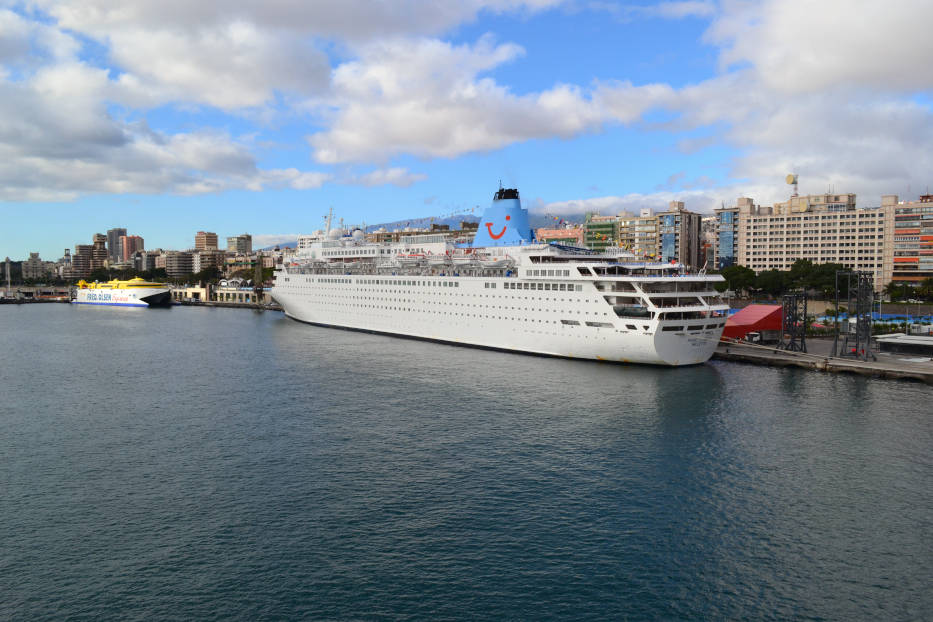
(55, 148)
(345, 20)
(680, 10)
(799, 46)
(426, 98)
(825, 89)
(242, 54)
(25, 42)
(391, 176)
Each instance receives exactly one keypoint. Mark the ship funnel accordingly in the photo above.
(504, 223)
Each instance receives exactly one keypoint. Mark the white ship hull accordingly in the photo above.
(518, 295)
(470, 311)
(134, 297)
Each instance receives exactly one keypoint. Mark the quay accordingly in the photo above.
(267, 306)
(819, 358)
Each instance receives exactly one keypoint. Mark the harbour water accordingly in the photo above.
(192, 463)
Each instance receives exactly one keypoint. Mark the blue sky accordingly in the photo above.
(170, 117)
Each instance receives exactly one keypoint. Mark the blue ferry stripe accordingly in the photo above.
(109, 304)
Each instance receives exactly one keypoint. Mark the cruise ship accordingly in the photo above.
(135, 292)
(505, 291)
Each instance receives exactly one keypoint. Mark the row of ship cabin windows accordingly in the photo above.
(548, 287)
(398, 283)
(548, 272)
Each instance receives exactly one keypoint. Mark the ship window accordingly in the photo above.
(709, 326)
(547, 286)
(579, 288)
(570, 322)
(562, 287)
(631, 326)
(599, 324)
(550, 273)
(672, 328)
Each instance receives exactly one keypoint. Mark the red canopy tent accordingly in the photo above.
(753, 318)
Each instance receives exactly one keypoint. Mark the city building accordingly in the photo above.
(465, 233)
(708, 233)
(99, 252)
(600, 232)
(205, 241)
(240, 244)
(80, 262)
(726, 235)
(178, 263)
(911, 246)
(679, 232)
(572, 236)
(238, 263)
(129, 246)
(64, 265)
(823, 228)
(639, 234)
(205, 259)
(34, 268)
(144, 261)
(114, 248)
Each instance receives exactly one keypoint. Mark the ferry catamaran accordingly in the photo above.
(507, 292)
(132, 293)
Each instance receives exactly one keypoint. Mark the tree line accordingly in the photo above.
(811, 277)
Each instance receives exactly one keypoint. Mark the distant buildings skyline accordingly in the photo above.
(893, 241)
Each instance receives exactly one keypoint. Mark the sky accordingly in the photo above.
(169, 116)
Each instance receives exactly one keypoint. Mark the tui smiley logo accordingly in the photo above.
(501, 233)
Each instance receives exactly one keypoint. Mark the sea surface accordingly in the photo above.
(217, 464)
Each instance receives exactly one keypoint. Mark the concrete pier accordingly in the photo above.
(900, 367)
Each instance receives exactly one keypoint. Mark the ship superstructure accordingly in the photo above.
(506, 292)
(134, 292)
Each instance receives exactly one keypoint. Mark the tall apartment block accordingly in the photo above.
(114, 249)
(679, 234)
(824, 228)
(205, 241)
(99, 251)
(639, 234)
(80, 262)
(911, 253)
(240, 243)
(600, 232)
(178, 263)
(725, 241)
(129, 246)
